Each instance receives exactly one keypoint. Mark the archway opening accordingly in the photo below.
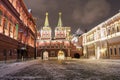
(61, 55)
(45, 55)
(76, 55)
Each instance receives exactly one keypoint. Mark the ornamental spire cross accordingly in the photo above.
(60, 20)
(46, 20)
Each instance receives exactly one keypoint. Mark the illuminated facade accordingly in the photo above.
(17, 30)
(46, 30)
(60, 31)
(58, 47)
(103, 41)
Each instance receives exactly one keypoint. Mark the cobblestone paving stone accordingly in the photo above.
(68, 70)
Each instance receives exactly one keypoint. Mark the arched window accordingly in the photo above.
(118, 26)
(113, 30)
(11, 27)
(6, 23)
(108, 31)
(0, 17)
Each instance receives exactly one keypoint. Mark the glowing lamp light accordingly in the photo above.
(103, 50)
(38, 38)
(92, 58)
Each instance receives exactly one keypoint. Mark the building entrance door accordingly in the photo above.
(98, 53)
(61, 55)
(45, 55)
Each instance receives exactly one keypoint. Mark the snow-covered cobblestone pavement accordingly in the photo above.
(83, 69)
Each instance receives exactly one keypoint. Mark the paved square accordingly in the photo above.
(62, 70)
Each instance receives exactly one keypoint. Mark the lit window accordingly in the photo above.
(113, 30)
(0, 17)
(10, 28)
(6, 23)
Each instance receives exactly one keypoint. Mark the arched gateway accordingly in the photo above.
(76, 55)
(61, 55)
(45, 55)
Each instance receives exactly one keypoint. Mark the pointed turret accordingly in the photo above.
(46, 20)
(46, 30)
(60, 21)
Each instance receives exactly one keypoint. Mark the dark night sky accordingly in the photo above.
(83, 14)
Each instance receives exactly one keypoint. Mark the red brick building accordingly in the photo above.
(59, 47)
(17, 31)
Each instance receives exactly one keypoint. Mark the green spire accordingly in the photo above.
(59, 21)
(46, 20)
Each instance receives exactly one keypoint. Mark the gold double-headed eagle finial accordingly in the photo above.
(60, 13)
(46, 13)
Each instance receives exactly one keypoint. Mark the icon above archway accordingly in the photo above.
(61, 55)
